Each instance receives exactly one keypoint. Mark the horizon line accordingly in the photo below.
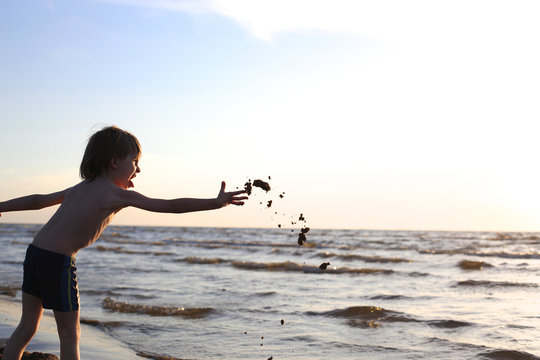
(291, 228)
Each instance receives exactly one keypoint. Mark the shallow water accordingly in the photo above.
(207, 293)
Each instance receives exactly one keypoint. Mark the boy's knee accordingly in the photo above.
(68, 325)
(28, 329)
(70, 332)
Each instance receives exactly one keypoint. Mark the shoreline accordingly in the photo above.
(95, 344)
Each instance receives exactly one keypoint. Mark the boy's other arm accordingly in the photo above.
(181, 205)
(33, 202)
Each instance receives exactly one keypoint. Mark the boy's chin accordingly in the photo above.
(130, 184)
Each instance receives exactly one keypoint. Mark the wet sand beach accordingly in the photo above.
(95, 344)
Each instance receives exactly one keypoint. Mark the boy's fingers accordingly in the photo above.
(239, 198)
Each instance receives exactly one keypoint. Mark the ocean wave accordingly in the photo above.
(102, 324)
(448, 324)
(473, 265)
(156, 356)
(310, 269)
(389, 297)
(13, 262)
(129, 241)
(130, 292)
(204, 261)
(366, 316)
(373, 316)
(248, 245)
(9, 290)
(19, 242)
(515, 237)
(417, 274)
(163, 253)
(505, 255)
(362, 312)
(515, 326)
(115, 235)
(122, 250)
(493, 284)
(124, 307)
(282, 266)
(351, 257)
(233, 244)
(508, 355)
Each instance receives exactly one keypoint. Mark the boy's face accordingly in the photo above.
(125, 170)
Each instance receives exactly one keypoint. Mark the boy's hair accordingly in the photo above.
(106, 144)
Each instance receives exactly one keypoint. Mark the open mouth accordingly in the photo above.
(130, 182)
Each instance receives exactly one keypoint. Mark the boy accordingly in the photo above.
(110, 162)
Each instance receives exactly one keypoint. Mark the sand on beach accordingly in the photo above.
(95, 344)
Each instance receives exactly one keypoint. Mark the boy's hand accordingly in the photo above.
(226, 198)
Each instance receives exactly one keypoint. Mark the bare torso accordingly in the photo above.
(88, 207)
(80, 220)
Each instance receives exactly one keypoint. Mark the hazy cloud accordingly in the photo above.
(432, 19)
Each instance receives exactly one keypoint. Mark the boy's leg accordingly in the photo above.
(69, 331)
(31, 315)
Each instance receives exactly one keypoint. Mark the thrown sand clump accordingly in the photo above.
(248, 187)
(324, 265)
(301, 239)
(302, 236)
(262, 184)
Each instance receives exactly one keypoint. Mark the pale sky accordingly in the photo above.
(368, 114)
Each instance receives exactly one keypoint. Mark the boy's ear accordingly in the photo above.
(114, 163)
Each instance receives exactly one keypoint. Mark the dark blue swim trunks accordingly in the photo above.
(51, 277)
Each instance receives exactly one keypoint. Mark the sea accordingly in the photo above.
(246, 293)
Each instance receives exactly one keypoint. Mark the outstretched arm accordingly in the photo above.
(33, 202)
(182, 205)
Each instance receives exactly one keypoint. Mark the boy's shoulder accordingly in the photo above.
(93, 187)
(102, 193)
(104, 187)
